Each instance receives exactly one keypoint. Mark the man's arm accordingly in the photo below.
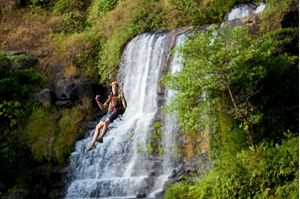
(123, 100)
(102, 106)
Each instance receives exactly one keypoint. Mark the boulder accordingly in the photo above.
(65, 90)
(141, 195)
(74, 90)
(64, 104)
(45, 97)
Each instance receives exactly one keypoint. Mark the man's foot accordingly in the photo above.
(99, 139)
(91, 147)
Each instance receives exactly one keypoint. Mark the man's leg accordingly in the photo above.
(97, 131)
(105, 127)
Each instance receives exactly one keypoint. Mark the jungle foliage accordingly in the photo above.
(226, 66)
(246, 79)
(234, 65)
(33, 138)
(271, 173)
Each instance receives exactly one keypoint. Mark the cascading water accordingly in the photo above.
(121, 167)
(244, 10)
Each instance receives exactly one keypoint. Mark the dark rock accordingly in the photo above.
(159, 194)
(57, 185)
(85, 87)
(141, 195)
(89, 125)
(64, 104)
(73, 90)
(45, 97)
(173, 175)
(148, 183)
(152, 173)
(65, 90)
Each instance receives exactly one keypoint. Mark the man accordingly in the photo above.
(114, 103)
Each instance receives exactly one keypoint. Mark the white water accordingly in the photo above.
(121, 167)
(244, 10)
(261, 7)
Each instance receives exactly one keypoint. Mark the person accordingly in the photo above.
(114, 102)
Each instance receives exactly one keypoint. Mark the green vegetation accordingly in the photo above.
(231, 64)
(154, 141)
(33, 139)
(246, 100)
(271, 173)
(68, 125)
(242, 93)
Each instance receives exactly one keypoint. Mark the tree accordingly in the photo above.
(225, 66)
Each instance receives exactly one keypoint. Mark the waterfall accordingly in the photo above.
(121, 167)
(243, 10)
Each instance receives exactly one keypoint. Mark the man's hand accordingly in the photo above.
(97, 98)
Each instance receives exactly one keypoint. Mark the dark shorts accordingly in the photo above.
(112, 116)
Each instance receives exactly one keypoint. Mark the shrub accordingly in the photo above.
(178, 190)
(30, 35)
(271, 173)
(41, 130)
(78, 52)
(69, 131)
(154, 139)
